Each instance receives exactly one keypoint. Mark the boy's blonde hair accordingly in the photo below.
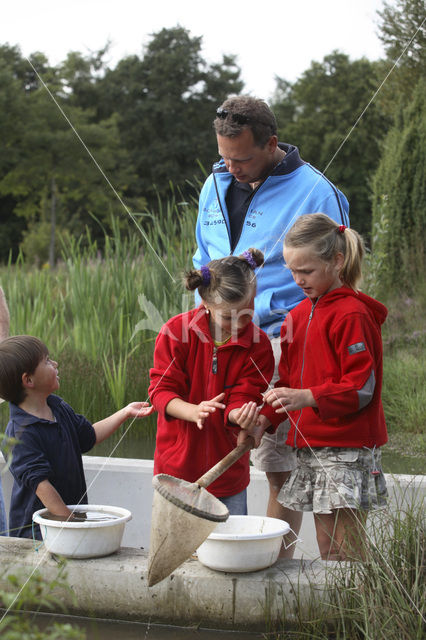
(327, 239)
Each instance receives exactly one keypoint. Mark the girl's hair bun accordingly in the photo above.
(229, 279)
(193, 279)
(254, 257)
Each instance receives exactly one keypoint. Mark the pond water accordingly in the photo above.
(114, 630)
(139, 445)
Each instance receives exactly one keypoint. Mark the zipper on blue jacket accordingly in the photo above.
(223, 215)
(303, 366)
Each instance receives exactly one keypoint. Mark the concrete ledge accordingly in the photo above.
(116, 587)
(127, 483)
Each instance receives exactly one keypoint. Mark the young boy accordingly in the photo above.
(46, 462)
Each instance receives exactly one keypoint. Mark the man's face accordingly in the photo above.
(246, 161)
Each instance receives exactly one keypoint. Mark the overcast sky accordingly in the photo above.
(274, 37)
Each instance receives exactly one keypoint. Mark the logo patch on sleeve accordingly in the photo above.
(356, 348)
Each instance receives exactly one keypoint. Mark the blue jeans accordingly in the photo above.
(237, 504)
(3, 519)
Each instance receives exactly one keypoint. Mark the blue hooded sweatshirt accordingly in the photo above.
(291, 190)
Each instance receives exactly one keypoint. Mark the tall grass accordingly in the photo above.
(383, 598)
(99, 313)
(87, 310)
(404, 346)
(404, 373)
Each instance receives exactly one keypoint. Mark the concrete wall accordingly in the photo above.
(127, 483)
(116, 587)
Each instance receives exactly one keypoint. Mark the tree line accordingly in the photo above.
(83, 142)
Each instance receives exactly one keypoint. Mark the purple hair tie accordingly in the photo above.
(206, 276)
(249, 258)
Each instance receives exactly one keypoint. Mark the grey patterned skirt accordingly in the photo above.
(330, 478)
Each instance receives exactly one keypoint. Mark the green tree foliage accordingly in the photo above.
(399, 199)
(402, 30)
(317, 113)
(166, 102)
(147, 123)
(14, 82)
(80, 76)
(47, 174)
(400, 195)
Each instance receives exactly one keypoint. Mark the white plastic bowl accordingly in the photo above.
(84, 539)
(243, 543)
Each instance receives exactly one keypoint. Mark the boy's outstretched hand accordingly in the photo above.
(104, 428)
(138, 410)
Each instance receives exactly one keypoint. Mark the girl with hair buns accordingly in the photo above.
(330, 379)
(211, 365)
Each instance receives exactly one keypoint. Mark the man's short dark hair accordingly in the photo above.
(260, 119)
(18, 355)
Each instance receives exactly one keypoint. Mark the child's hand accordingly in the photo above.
(243, 435)
(256, 432)
(261, 426)
(251, 423)
(205, 408)
(246, 416)
(284, 399)
(138, 410)
(104, 428)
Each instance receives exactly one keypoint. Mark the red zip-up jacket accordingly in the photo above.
(334, 348)
(187, 365)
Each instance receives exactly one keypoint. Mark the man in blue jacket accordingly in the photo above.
(252, 197)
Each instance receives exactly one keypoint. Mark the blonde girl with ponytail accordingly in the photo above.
(330, 380)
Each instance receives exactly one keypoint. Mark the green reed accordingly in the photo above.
(28, 595)
(100, 309)
(382, 598)
(88, 312)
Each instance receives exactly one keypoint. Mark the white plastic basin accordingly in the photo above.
(243, 543)
(84, 539)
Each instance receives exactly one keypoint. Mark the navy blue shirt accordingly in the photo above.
(238, 198)
(47, 451)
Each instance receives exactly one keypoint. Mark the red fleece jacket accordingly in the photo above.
(334, 348)
(187, 365)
